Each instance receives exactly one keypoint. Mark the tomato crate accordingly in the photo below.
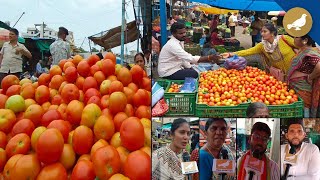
(294, 110)
(276, 111)
(180, 104)
(204, 111)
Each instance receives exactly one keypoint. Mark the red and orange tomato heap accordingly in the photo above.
(174, 88)
(224, 87)
(84, 119)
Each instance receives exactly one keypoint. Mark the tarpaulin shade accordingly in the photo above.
(4, 25)
(112, 38)
(254, 5)
(43, 45)
(214, 10)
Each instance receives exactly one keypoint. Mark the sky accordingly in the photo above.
(84, 18)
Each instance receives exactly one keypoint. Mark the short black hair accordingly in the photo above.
(15, 31)
(100, 55)
(175, 26)
(138, 54)
(273, 30)
(295, 121)
(176, 124)
(212, 120)
(63, 30)
(253, 107)
(310, 40)
(260, 126)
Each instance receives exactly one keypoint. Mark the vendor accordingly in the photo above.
(41, 68)
(276, 50)
(173, 54)
(215, 38)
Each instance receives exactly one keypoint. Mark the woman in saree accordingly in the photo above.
(166, 161)
(304, 75)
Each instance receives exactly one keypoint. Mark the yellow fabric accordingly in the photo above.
(214, 10)
(286, 51)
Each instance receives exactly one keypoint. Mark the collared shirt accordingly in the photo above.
(59, 50)
(308, 163)
(172, 56)
(11, 61)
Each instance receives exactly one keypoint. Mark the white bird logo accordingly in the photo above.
(297, 24)
(226, 164)
(189, 166)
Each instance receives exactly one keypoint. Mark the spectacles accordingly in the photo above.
(258, 137)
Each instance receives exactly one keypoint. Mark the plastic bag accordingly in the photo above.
(235, 62)
(189, 85)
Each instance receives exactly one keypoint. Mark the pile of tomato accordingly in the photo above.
(85, 119)
(224, 87)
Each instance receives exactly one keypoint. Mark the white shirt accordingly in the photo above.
(11, 61)
(147, 65)
(172, 56)
(308, 163)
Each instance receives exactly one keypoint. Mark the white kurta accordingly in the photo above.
(308, 163)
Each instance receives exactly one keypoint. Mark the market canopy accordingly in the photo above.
(4, 25)
(112, 38)
(310, 5)
(214, 10)
(253, 5)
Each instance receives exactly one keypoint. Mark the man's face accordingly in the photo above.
(295, 135)
(12, 36)
(258, 143)
(180, 34)
(217, 133)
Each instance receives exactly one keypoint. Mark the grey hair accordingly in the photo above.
(253, 107)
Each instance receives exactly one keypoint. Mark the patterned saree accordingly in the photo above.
(310, 93)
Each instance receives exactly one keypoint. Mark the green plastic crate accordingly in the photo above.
(180, 104)
(294, 110)
(203, 110)
(163, 83)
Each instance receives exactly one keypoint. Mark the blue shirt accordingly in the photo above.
(206, 161)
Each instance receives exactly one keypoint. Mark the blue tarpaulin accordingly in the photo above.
(310, 5)
(253, 5)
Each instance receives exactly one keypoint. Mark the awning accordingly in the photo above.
(253, 5)
(214, 10)
(4, 25)
(112, 38)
